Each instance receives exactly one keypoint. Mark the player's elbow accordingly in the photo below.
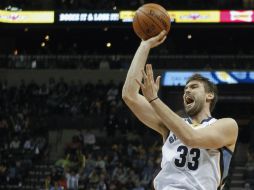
(125, 95)
(127, 98)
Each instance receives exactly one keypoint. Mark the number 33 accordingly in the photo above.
(194, 154)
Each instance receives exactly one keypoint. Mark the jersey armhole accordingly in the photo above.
(164, 140)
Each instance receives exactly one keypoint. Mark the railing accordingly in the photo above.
(123, 61)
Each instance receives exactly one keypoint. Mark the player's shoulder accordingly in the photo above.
(230, 122)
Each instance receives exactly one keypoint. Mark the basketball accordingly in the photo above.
(149, 20)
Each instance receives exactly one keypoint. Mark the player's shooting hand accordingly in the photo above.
(156, 40)
(149, 87)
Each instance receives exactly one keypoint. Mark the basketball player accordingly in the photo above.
(197, 150)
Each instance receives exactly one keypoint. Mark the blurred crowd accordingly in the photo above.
(122, 62)
(74, 98)
(21, 145)
(133, 4)
(249, 172)
(249, 165)
(126, 164)
(115, 161)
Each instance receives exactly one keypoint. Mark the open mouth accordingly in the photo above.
(189, 100)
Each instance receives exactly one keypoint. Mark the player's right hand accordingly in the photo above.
(156, 40)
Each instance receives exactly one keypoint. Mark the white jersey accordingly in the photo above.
(189, 168)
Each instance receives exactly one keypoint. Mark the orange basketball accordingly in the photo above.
(149, 20)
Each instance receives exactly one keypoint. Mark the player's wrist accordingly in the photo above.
(146, 45)
(154, 99)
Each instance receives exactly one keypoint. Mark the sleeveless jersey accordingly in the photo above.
(187, 168)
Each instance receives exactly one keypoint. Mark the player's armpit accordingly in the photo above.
(146, 114)
(221, 133)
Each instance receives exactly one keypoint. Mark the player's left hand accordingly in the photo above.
(149, 87)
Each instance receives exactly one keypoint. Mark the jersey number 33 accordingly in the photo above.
(187, 157)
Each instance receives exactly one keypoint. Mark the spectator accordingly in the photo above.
(94, 176)
(247, 186)
(4, 128)
(249, 169)
(12, 174)
(100, 163)
(15, 144)
(28, 145)
(251, 133)
(102, 184)
(72, 179)
(89, 138)
(3, 173)
(90, 165)
(64, 163)
(112, 93)
(111, 122)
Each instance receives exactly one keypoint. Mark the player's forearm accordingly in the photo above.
(173, 122)
(131, 88)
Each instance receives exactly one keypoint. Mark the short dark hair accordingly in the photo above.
(209, 86)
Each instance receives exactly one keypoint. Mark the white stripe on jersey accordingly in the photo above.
(189, 168)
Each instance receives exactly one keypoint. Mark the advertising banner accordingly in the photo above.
(88, 17)
(179, 78)
(195, 16)
(22, 17)
(181, 16)
(237, 16)
(125, 16)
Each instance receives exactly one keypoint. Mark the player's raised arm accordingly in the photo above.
(222, 133)
(130, 92)
(197, 101)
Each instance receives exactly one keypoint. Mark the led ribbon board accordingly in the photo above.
(22, 17)
(179, 78)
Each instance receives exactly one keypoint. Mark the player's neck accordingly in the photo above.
(197, 119)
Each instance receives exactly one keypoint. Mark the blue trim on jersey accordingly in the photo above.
(226, 148)
(225, 159)
(188, 119)
(167, 135)
(204, 120)
(221, 168)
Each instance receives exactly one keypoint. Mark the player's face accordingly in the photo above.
(194, 97)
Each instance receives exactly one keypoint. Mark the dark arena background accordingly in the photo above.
(62, 66)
